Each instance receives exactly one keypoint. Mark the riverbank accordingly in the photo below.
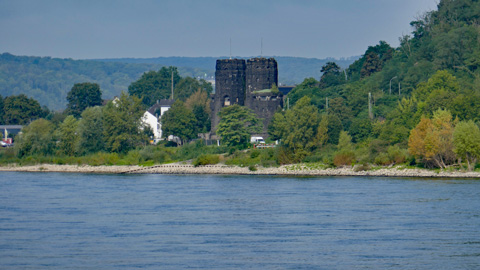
(295, 170)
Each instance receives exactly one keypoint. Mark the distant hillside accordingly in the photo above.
(292, 70)
(48, 80)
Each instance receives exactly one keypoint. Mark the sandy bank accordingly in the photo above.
(294, 170)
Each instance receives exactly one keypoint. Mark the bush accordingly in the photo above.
(382, 159)
(154, 154)
(394, 155)
(344, 158)
(206, 160)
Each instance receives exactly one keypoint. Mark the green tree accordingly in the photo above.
(20, 110)
(361, 129)
(345, 154)
(466, 139)
(236, 125)
(155, 85)
(330, 75)
(277, 127)
(123, 124)
(300, 129)
(371, 65)
(199, 104)
(322, 131)
(179, 121)
(68, 136)
(188, 85)
(334, 128)
(82, 96)
(441, 80)
(36, 139)
(90, 131)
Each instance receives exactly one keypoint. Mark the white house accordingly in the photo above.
(153, 115)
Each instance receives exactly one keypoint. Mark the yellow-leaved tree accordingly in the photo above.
(432, 140)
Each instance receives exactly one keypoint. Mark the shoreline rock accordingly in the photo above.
(287, 170)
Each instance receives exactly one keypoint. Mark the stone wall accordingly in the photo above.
(264, 106)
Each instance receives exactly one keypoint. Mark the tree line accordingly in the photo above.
(417, 104)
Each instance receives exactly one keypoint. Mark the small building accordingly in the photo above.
(152, 117)
(8, 131)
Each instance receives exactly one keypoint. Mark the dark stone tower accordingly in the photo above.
(261, 74)
(229, 86)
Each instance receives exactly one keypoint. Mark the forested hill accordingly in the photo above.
(384, 95)
(292, 70)
(48, 80)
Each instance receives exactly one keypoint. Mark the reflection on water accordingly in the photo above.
(85, 221)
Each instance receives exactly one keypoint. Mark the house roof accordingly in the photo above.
(161, 103)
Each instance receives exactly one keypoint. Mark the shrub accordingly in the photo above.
(344, 158)
(394, 155)
(382, 159)
(208, 159)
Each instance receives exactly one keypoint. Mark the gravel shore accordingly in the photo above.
(295, 170)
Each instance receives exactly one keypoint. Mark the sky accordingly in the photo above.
(88, 29)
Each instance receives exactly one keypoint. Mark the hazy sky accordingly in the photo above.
(82, 29)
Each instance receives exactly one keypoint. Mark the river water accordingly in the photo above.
(91, 221)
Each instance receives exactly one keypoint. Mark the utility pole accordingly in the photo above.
(370, 113)
(172, 83)
(390, 92)
(326, 104)
(398, 88)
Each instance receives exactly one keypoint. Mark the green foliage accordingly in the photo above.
(394, 155)
(361, 129)
(155, 85)
(82, 96)
(298, 129)
(49, 79)
(36, 138)
(206, 160)
(122, 124)
(331, 75)
(90, 131)
(466, 138)
(68, 136)
(345, 154)
(236, 124)
(188, 85)
(199, 103)
(254, 157)
(21, 110)
(334, 128)
(179, 121)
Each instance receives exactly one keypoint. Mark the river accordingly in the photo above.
(101, 221)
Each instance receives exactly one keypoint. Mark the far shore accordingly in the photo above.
(288, 170)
